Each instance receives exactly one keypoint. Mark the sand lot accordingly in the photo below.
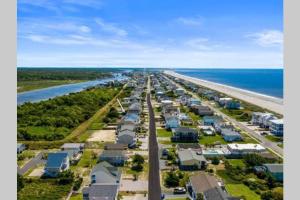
(134, 186)
(38, 172)
(136, 197)
(103, 136)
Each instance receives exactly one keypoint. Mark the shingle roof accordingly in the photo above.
(112, 153)
(215, 194)
(203, 182)
(189, 154)
(106, 173)
(56, 159)
(72, 145)
(101, 191)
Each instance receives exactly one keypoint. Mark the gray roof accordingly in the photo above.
(112, 153)
(274, 168)
(215, 194)
(56, 159)
(229, 132)
(72, 145)
(189, 154)
(106, 173)
(203, 182)
(184, 130)
(101, 191)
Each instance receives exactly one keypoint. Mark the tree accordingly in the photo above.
(138, 159)
(215, 161)
(66, 177)
(199, 196)
(275, 194)
(20, 182)
(172, 180)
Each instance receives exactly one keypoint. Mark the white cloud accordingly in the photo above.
(110, 27)
(267, 38)
(190, 21)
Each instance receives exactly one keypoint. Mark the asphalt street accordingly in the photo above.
(154, 189)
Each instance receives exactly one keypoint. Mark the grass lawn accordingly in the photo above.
(274, 138)
(163, 133)
(43, 189)
(242, 190)
(96, 126)
(212, 139)
(33, 85)
(76, 197)
(247, 139)
(222, 174)
(41, 131)
(237, 162)
(280, 145)
(194, 117)
(87, 159)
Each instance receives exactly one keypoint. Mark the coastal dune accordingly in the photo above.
(271, 103)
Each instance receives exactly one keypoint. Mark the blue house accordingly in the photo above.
(114, 157)
(276, 170)
(57, 163)
(211, 120)
(172, 122)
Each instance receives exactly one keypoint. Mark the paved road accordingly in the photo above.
(32, 163)
(261, 139)
(154, 189)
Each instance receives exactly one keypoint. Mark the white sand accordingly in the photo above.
(103, 135)
(271, 103)
(38, 172)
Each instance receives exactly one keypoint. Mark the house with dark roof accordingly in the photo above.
(114, 157)
(100, 192)
(207, 186)
(202, 110)
(230, 135)
(57, 163)
(184, 134)
(127, 137)
(110, 146)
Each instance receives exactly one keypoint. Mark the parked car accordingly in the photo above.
(179, 190)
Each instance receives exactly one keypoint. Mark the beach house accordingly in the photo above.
(191, 160)
(184, 134)
(230, 135)
(114, 157)
(171, 121)
(57, 163)
(276, 127)
(127, 137)
(242, 149)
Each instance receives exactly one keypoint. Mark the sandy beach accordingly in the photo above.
(271, 103)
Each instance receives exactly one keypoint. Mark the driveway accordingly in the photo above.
(32, 163)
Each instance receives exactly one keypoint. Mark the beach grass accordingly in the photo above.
(163, 133)
(208, 140)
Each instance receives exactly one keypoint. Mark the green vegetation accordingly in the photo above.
(237, 162)
(46, 189)
(194, 117)
(242, 190)
(54, 119)
(274, 138)
(88, 159)
(175, 178)
(38, 74)
(24, 86)
(210, 140)
(241, 115)
(163, 133)
(76, 197)
(137, 163)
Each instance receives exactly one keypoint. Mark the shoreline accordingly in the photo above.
(271, 103)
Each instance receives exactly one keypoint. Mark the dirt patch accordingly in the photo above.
(103, 136)
(38, 172)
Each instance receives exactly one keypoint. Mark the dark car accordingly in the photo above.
(179, 190)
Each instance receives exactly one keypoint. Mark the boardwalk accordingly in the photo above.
(154, 189)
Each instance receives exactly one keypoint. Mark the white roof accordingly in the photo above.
(166, 101)
(249, 146)
(225, 98)
(277, 121)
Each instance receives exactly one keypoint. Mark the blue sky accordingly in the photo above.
(150, 33)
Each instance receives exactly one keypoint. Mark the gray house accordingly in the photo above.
(100, 192)
(127, 137)
(104, 172)
(184, 134)
(114, 157)
(191, 160)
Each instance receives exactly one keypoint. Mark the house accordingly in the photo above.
(73, 149)
(20, 147)
(230, 135)
(104, 172)
(179, 91)
(216, 152)
(173, 110)
(171, 122)
(193, 101)
(57, 163)
(166, 103)
(135, 108)
(127, 137)
(262, 119)
(276, 127)
(206, 185)
(132, 118)
(233, 104)
(223, 101)
(208, 130)
(114, 157)
(100, 192)
(194, 146)
(211, 120)
(110, 146)
(242, 149)
(276, 170)
(129, 127)
(202, 110)
(185, 119)
(191, 160)
(184, 134)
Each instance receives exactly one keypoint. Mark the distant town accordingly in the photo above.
(151, 135)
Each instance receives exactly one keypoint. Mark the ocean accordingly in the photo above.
(264, 81)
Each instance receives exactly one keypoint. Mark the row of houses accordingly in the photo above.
(106, 175)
